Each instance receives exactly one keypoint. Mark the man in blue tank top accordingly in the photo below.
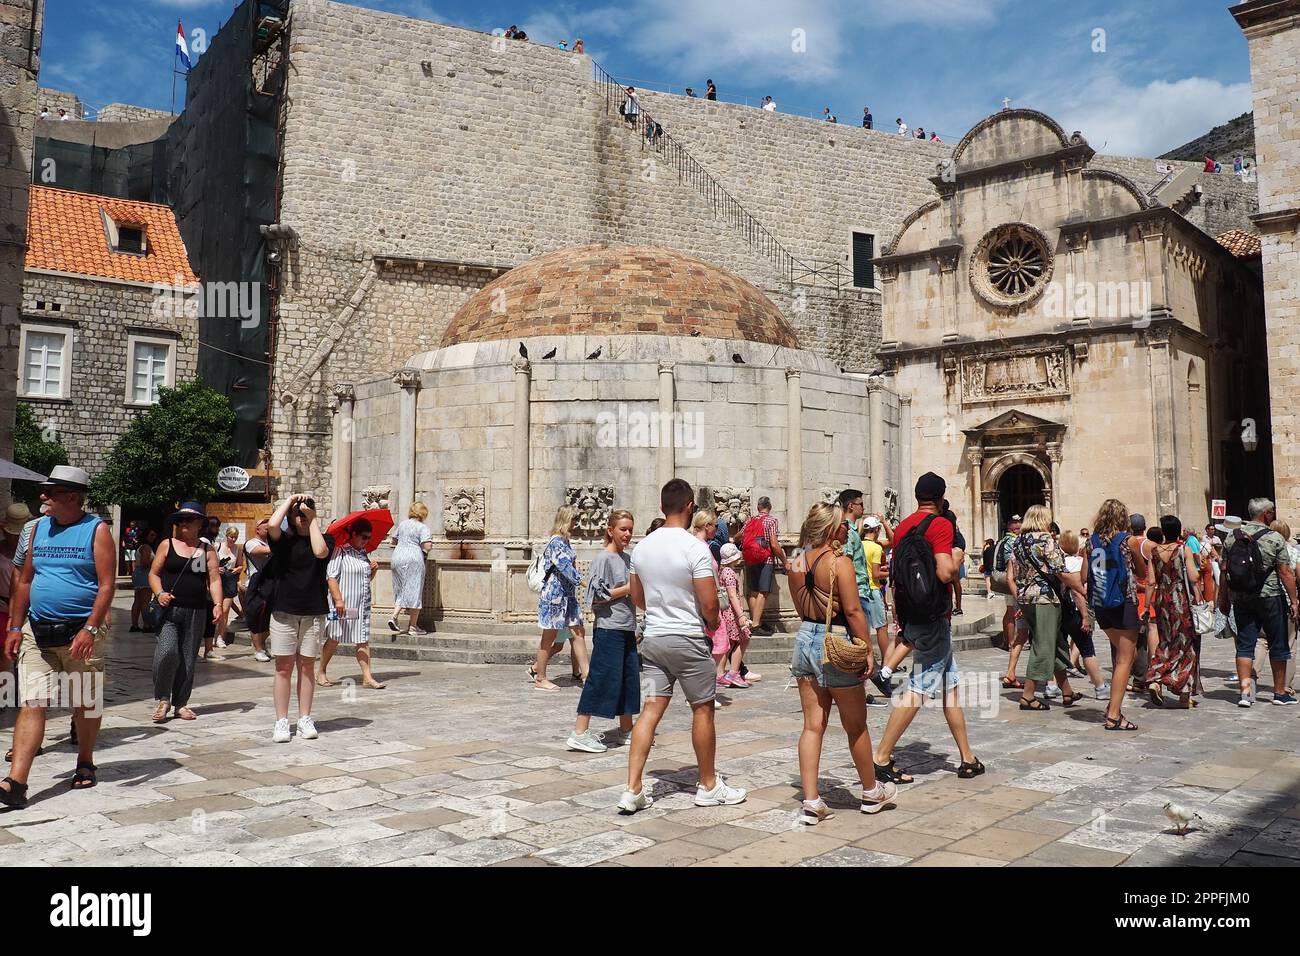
(58, 620)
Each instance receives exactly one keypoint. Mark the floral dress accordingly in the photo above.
(558, 606)
(1174, 663)
(727, 578)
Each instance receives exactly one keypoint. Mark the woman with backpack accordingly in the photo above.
(186, 583)
(1172, 589)
(558, 608)
(1034, 575)
(824, 587)
(1115, 565)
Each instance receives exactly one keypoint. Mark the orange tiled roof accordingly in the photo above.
(1241, 244)
(65, 233)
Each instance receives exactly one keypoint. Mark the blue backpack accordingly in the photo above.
(1108, 572)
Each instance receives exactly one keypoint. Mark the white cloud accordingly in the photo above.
(1122, 119)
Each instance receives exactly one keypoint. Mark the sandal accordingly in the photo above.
(83, 778)
(532, 673)
(892, 774)
(16, 796)
(373, 685)
(9, 754)
(1013, 682)
(184, 713)
(323, 681)
(1033, 704)
(968, 770)
(1119, 723)
(160, 712)
(1157, 694)
(1069, 700)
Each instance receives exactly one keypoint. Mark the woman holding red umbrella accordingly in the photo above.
(348, 577)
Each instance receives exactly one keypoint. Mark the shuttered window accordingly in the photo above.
(864, 273)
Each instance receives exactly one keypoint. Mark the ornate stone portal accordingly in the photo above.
(594, 503)
(464, 511)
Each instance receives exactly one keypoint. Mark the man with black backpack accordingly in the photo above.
(922, 572)
(1262, 583)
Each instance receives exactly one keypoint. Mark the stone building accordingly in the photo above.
(1272, 29)
(107, 316)
(1065, 337)
(21, 22)
(590, 376)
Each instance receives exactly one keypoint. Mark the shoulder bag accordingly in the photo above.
(1202, 611)
(155, 615)
(841, 651)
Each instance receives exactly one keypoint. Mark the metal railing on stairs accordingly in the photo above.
(725, 206)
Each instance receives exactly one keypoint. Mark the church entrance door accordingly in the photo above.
(1019, 488)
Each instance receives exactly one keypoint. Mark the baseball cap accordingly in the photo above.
(871, 521)
(1137, 522)
(1014, 518)
(930, 487)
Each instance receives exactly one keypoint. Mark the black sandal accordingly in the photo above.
(1119, 723)
(9, 754)
(16, 796)
(1069, 700)
(1034, 704)
(968, 770)
(891, 774)
(83, 778)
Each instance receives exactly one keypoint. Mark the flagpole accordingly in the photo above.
(175, 54)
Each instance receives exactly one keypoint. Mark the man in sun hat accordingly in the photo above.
(58, 620)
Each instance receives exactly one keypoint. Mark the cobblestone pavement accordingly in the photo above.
(465, 765)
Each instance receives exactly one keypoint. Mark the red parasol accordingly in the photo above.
(381, 522)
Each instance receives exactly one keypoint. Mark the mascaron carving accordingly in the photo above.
(464, 510)
(732, 504)
(594, 503)
(376, 496)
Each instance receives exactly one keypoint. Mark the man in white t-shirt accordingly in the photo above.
(672, 581)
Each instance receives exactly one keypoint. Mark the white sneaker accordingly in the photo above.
(586, 742)
(262, 656)
(281, 732)
(307, 728)
(1246, 700)
(631, 802)
(1102, 692)
(720, 796)
(873, 801)
(717, 704)
(812, 814)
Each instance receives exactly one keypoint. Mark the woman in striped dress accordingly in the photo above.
(348, 576)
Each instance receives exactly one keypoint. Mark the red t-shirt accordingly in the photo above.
(939, 534)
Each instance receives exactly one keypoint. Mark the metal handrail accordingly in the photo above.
(689, 170)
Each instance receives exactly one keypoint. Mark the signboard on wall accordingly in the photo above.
(1218, 509)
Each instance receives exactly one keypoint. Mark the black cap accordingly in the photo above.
(930, 487)
(1137, 522)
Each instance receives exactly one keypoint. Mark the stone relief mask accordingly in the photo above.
(733, 505)
(464, 510)
(594, 503)
(376, 496)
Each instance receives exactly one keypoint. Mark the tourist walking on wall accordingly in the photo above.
(558, 610)
(413, 540)
(1034, 575)
(348, 578)
(1173, 589)
(185, 579)
(631, 109)
(922, 569)
(257, 554)
(867, 120)
(299, 558)
(1263, 588)
(58, 619)
(824, 590)
(1115, 565)
(710, 91)
(760, 544)
(1074, 589)
(672, 581)
(230, 557)
(613, 685)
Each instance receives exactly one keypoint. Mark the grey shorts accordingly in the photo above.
(669, 658)
(761, 578)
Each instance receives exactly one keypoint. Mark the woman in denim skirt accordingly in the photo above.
(824, 575)
(613, 687)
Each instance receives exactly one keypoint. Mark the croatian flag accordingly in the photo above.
(182, 50)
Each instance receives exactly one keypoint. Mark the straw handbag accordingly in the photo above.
(841, 651)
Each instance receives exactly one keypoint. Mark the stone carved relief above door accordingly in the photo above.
(1041, 373)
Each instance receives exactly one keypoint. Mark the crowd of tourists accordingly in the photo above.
(681, 608)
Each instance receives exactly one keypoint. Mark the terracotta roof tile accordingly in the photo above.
(1241, 244)
(65, 233)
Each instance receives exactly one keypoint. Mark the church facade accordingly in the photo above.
(1064, 337)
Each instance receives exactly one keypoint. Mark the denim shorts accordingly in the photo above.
(1261, 617)
(934, 668)
(874, 608)
(809, 648)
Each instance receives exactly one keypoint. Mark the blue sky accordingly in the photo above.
(1160, 73)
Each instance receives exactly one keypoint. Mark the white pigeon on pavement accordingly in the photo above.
(1181, 816)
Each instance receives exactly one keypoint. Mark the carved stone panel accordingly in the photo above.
(376, 496)
(1040, 373)
(733, 505)
(828, 496)
(464, 511)
(891, 506)
(594, 503)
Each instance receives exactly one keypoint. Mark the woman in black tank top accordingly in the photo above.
(823, 575)
(186, 581)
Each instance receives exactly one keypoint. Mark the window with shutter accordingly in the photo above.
(864, 273)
